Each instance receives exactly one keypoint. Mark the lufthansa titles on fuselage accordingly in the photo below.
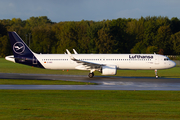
(140, 57)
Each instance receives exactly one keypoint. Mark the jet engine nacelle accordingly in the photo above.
(108, 70)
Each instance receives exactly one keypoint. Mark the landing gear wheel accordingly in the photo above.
(156, 73)
(91, 75)
(156, 76)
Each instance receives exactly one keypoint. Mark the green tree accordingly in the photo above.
(67, 37)
(142, 35)
(105, 42)
(135, 31)
(37, 21)
(175, 38)
(43, 40)
(150, 31)
(83, 39)
(140, 47)
(92, 35)
(163, 39)
(4, 46)
(152, 49)
(175, 23)
(4, 42)
(3, 30)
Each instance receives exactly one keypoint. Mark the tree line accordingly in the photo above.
(144, 35)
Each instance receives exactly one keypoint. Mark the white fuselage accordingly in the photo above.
(122, 61)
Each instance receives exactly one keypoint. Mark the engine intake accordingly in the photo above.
(108, 70)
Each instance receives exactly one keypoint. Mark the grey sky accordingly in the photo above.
(97, 10)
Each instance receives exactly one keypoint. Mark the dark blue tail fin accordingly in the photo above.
(18, 46)
(22, 53)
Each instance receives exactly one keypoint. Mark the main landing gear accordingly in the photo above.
(91, 75)
(156, 73)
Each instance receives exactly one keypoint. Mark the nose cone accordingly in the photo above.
(172, 64)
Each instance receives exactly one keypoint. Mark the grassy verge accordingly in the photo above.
(41, 82)
(10, 67)
(53, 104)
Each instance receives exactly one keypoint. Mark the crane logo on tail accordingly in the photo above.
(18, 47)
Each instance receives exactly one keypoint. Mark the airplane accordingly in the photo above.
(107, 64)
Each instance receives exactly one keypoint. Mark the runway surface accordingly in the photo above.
(105, 82)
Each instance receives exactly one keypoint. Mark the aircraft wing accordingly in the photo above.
(90, 65)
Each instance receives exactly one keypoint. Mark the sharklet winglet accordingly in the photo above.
(70, 55)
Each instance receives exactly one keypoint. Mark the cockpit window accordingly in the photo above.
(166, 59)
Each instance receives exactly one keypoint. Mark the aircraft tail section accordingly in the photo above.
(18, 46)
(22, 53)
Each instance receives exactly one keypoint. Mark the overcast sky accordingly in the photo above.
(96, 10)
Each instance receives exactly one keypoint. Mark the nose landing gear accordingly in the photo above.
(156, 73)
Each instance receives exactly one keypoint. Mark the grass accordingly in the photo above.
(10, 67)
(86, 104)
(41, 82)
(100, 104)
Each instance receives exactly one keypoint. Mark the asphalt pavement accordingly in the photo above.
(104, 82)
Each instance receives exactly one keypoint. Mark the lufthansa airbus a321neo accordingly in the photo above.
(107, 64)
